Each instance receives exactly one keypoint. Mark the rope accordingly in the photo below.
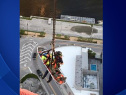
(54, 23)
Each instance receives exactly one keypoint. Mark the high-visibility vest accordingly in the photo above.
(44, 58)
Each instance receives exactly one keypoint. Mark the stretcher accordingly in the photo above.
(40, 51)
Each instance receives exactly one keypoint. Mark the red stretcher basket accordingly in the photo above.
(41, 51)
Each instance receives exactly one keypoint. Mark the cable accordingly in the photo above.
(54, 24)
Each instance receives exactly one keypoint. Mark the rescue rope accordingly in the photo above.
(54, 24)
(53, 36)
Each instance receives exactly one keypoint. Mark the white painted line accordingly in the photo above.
(35, 42)
(30, 42)
(33, 45)
(23, 62)
(26, 52)
(26, 49)
(30, 69)
(28, 45)
(25, 55)
(25, 58)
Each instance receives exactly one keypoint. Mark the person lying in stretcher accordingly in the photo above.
(53, 66)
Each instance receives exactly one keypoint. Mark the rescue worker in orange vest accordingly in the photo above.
(46, 59)
(47, 62)
(58, 58)
(45, 55)
(51, 68)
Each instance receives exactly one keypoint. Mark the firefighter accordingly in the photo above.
(47, 59)
(58, 58)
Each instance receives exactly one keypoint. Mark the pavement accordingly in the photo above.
(28, 46)
(28, 65)
(33, 85)
(64, 28)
